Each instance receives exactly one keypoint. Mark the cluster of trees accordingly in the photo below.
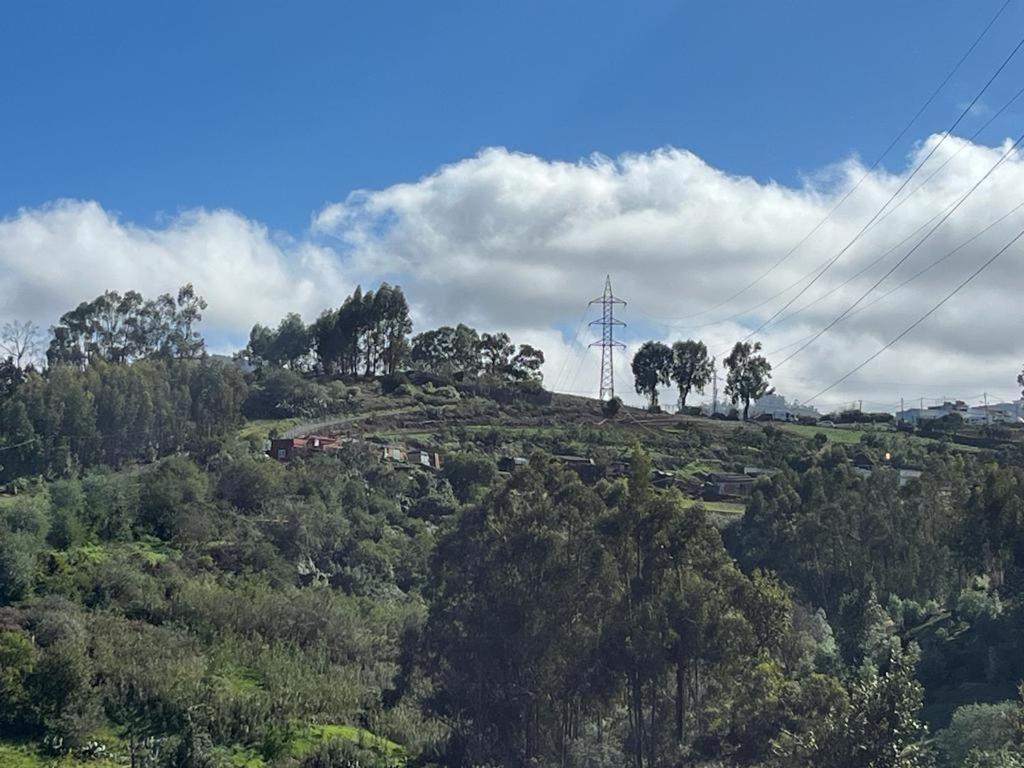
(368, 335)
(462, 353)
(609, 626)
(688, 365)
(69, 418)
(121, 328)
(195, 611)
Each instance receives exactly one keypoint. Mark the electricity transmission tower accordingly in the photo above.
(607, 343)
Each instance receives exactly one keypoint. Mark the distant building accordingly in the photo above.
(585, 468)
(780, 409)
(393, 453)
(997, 413)
(424, 459)
(287, 448)
(512, 463)
(725, 484)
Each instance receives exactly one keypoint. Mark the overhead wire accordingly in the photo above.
(945, 217)
(905, 282)
(963, 284)
(892, 144)
(966, 110)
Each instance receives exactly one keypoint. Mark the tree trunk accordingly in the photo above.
(680, 701)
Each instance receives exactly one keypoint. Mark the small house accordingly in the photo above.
(585, 468)
(393, 453)
(287, 448)
(425, 459)
(727, 484)
(512, 464)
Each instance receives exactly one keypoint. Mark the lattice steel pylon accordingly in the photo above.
(608, 343)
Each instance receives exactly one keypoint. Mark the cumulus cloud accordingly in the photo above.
(513, 241)
(56, 256)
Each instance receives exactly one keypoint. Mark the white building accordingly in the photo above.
(997, 413)
(779, 409)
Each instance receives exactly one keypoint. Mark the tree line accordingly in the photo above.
(369, 335)
(688, 365)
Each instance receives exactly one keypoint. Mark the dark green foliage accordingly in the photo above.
(469, 474)
(611, 408)
(692, 369)
(448, 351)
(120, 328)
(652, 369)
(877, 728)
(367, 334)
(174, 493)
(248, 483)
(113, 414)
(748, 374)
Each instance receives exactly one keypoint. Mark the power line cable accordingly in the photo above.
(910, 279)
(906, 256)
(575, 338)
(869, 171)
(894, 195)
(896, 207)
(923, 317)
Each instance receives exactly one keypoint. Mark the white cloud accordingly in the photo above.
(56, 256)
(513, 241)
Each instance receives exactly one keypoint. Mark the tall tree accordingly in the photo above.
(652, 368)
(496, 350)
(749, 374)
(692, 369)
(20, 341)
(121, 328)
(291, 343)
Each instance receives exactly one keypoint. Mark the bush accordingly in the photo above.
(404, 390)
(467, 473)
(611, 408)
(175, 488)
(248, 483)
(977, 728)
(393, 381)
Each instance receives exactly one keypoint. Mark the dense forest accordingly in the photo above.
(559, 592)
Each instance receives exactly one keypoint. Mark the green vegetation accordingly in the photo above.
(569, 588)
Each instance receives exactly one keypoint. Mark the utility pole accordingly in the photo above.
(988, 417)
(607, 300)
(903, 411)
(714, 389)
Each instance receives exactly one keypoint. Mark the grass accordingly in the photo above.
(260, 429)
(695, 468)
(719, 507)
(14, 755)
(834, 434)
(322, 734)
(852, 435)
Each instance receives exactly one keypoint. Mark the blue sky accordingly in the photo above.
(507, 155)
(274, 109)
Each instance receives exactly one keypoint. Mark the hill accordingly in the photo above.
(450, 572)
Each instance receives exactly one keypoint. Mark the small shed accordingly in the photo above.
(512, 463)
(585, 468)
(425, 459)
(393, 453)
(287, 448)
(725, 484)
